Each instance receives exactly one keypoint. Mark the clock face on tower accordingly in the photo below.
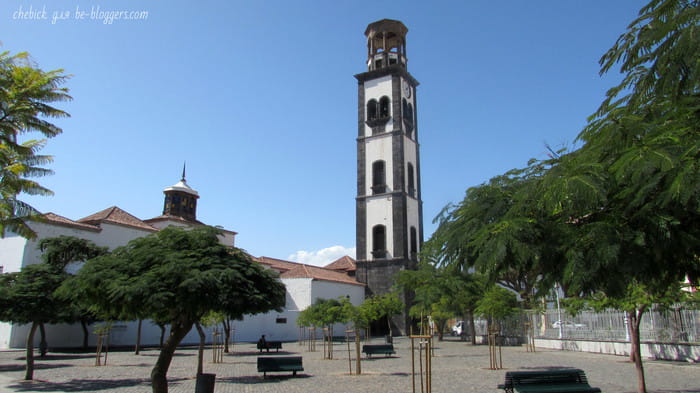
(406, 89)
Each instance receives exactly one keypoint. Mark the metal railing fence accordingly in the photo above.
(673, 325)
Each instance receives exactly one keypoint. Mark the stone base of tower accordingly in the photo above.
(378, 275)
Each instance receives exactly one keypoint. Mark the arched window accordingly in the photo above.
(378, 177)
(372, 109)
(414, 242)
(410, 181)
(384, 106)
(404, 107)
(379, 241)
(409, 115)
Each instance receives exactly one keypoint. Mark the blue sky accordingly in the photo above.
(259, 98)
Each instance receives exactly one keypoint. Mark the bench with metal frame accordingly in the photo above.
(280, 363)
(570, 380)
(373, 349)
(277, 345)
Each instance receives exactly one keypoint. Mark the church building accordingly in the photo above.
(114, 227)
(389, 212)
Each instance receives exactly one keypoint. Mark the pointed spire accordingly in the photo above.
(184, 167)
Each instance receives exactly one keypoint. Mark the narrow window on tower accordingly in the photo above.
(407, 112)
(379, 241)
(372, 109)
(411, 182)
(414, 243)
(384, 106)
(378, 177)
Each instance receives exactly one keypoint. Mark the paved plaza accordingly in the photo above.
(457, 367)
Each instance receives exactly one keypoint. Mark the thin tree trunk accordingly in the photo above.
(388, 323)
(159, 379)
(29, 375)
(633, 348)
(635, 319)
(137, 350)
(227, 333)
(472, 328)
(162, 334)
(86, 334)
(43, 346)
(200, 352)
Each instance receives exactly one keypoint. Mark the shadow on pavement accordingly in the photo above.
(77, 385)
(37, 366)
(258, 379)
(51, 357)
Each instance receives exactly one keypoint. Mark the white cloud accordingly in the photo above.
(321, 257)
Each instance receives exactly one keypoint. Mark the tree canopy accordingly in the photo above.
(26, 95)
(176, 276)
(27, 297)
(620, 216)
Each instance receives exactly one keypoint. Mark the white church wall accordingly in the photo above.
(5, 335)
(11, 252)
(334, 290)
(114, 235)
(298, 293)
(276, 326)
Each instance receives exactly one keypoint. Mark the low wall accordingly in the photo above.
(650, 350)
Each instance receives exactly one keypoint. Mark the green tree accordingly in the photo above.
(441, 292)
(176, 275)
(323, 313)
(639, 224)
(26, 95)
(27, 297)
(62, 251)
(383, 306)
(502, 231)
(497, 304)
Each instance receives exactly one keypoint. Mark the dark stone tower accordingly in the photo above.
(181, 200)
(389, 216)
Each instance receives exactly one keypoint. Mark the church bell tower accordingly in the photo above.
(181, 200)
(389, 213)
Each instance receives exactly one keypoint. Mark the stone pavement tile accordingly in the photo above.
(456, 366)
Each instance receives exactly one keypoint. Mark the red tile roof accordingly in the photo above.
(344, 263)
(289, 269)
(55, 219)
(115, 215)
(319, 273)
(277, 264)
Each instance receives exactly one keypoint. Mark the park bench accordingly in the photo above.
(279, 363)
(570, 380)
(277, 345)
(373, 349)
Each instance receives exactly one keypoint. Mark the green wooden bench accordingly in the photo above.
(279, 363)
(277, 345)
(373, 349)
(570, 380)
